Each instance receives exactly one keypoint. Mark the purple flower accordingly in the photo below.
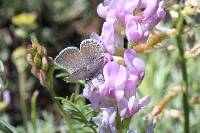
(119, 86)
(128, 16)
(126, 7)
(151, 7)
(138, 27)
(131, 106)
(106, 121)
(91, 92)
(134, 64)
(115, 77)
(104, 8)
(109, 36)
(134, 29)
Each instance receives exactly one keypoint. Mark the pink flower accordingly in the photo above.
(134, 64)
(119, 86)
(128, 16)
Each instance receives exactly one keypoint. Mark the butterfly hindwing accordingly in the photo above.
(80, 74)
(70, 59)
(86, 73)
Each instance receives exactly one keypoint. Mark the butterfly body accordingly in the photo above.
(82, 64)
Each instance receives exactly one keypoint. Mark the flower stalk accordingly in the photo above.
(22, 93)
(182, 62)
(33, 110)
(18, 58)
(43, 69)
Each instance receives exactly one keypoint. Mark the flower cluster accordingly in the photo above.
(117, 96)
(42, 64)
(118, 91)
(131, 18)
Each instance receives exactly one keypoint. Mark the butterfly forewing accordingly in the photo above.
(70, 59)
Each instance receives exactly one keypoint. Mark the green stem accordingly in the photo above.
(62, 112)
(22, 93)
(77, 87)
(52, 93)
(184, 73)
(33, 111)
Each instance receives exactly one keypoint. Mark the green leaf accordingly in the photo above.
(7, 128)
(80, 112)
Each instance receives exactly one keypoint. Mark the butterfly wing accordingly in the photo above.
(91, 51)
(93, 54)
(96, 68)
(83, 64)
(87, 73)
(70, 59)
(80, 74)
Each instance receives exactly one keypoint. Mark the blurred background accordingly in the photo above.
(62, 23)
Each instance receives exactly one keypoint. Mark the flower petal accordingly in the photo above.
(144, 101)
(151, 7)
(121, 78)
(102, 10)
(110, 72)
(119, 95)
(133, 105)
(133, 28)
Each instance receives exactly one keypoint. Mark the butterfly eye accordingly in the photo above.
(98, 46)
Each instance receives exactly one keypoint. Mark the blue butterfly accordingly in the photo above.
(83, 64)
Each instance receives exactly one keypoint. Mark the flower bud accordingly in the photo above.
(153, 40)
(29, 58)
(31, 50)
(195, 100)
(174, 15)
(37, 60)
(41, 50)
(191, 9)
(34, 70)
(42, 77)
(174, 113)
(45, 63)
(34, 41)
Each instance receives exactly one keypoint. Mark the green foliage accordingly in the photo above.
(79, 113)
(163, 73)
(6, 128)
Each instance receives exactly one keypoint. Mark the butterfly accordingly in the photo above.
(83, 64)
